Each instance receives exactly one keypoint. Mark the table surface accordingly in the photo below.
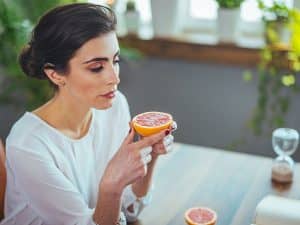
(231, 183)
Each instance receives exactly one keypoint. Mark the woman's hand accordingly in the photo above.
(129, 164)
(164, 146)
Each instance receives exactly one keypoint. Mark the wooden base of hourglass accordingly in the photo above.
(282, 173)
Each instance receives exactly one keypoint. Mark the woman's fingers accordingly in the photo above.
(164, 146)
(168, 140)
(151, 140)
(146, 159)
(173, 126)
(169, 148)
(130, 137)
(145, 151)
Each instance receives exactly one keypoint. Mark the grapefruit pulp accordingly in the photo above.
(200, 216)
(149, 123)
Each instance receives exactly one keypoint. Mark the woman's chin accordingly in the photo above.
(103, 105)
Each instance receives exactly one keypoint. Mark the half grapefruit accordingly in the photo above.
(200, 216)
(149, 123)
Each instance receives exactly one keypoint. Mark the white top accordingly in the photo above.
(53, 179)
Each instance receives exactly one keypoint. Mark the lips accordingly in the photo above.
(110, 94)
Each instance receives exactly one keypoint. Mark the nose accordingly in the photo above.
(114, 75)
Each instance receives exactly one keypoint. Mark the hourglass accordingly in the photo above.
(285, 142)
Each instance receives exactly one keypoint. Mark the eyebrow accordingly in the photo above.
(101, 58)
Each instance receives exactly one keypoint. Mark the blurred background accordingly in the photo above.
(228, 70)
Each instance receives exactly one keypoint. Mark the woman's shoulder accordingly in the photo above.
(26, 127)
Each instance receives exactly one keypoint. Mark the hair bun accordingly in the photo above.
(28, 62)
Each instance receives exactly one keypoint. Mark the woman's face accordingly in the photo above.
(93, 74)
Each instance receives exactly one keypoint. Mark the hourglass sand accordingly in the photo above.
(285, 142)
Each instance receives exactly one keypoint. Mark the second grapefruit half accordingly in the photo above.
(200, 216)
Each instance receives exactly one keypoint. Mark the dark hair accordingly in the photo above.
(62, 31)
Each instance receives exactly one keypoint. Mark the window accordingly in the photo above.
(145, 9)
(202, 19)
(143, 6)
(97, 1)
(198, 9)
(207, 9)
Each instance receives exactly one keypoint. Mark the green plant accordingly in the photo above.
(130, 6)
(16, 28)
(278, 11)
(278, 69)
(295, 40)
(229, 4)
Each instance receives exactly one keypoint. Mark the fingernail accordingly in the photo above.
(129, 131)
(167, 132)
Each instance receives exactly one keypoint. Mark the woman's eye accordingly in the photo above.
(116, 61)
(97, 69)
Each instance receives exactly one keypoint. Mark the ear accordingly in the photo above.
(55, 77)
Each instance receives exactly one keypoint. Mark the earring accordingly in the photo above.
(63, 83)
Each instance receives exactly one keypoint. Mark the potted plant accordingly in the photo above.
(132, 17)
(276, 19)
(167, 17)
(278, 71)
(228, 16)
(16, 89)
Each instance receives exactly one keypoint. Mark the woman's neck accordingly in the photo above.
(66, 116)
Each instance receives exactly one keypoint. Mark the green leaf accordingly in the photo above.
(266, 55)
(284, 104)
(247, 76)
(296, 66)
(230, 4)
(278, 121)
(288, 80)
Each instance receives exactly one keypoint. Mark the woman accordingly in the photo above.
(73, 160)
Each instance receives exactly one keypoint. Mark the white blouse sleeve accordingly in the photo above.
(129, 198)
(48, 191)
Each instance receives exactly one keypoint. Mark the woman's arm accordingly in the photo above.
(126, 167)
(48, 191)
(108, 204)
(142, 186)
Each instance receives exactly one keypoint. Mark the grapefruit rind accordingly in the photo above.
(147, 131)
(191, 222)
